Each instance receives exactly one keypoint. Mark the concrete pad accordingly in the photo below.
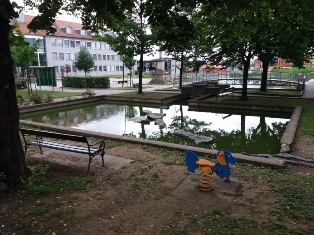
(81, 160)
(191, 185)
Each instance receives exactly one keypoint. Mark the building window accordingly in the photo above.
(68, 30)
(112, 57)
(83, 32)
(121, 68)
(117, 68)
(103, 57)
(107, 47)
(99, 68)
(108, 57)
(74, 69)
(95, 68)
(94, 57)
(67, 56)
(61, 56)
(108, 68)
(103, 46)
(60, 44)
(99, 56)
(62, 69)
(93, 45)
(72, 44)
(54, 56)
(78, 44)
(105, 68)
(72, 56)
(66, 43)
(98, 45)
(53, 42)
(88, 45)
(112, 68)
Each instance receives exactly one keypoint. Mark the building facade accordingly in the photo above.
(58, 50)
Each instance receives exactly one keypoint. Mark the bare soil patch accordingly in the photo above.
(141, 198)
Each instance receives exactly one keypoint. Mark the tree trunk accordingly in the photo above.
(246, 66)
(264, 76)
(181, 71)
(12, 158)
(140, 74)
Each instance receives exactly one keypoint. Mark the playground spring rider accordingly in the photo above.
(221, 167)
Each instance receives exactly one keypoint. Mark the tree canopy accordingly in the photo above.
(84, 60)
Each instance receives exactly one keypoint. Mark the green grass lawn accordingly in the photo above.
(23, 94)
(272, 92)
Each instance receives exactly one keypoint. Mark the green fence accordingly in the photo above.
(45, 76)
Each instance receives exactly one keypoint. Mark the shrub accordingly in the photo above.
(88, 93)
(136, 72)
(20, 83)
(86, 82)
(48, 99)
(36, 98)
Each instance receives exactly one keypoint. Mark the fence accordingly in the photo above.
(281, 79)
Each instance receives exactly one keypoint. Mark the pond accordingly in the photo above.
(247, 132)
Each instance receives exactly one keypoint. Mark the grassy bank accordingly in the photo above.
(22, 94)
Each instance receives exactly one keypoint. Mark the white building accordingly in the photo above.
(58, 50)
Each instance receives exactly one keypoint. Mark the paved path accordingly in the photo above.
(309, 90)
(113, 84)
(307, 94)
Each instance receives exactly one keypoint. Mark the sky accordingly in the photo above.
(62, 16)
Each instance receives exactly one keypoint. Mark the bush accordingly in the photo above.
(20, 83)
(86, 82)
(88, 93)
(136, 72)
(48, 99)
(36, 98)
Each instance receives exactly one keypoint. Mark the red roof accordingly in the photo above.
(58, 24)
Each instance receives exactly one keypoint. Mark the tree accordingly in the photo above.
(84, 60)
(12, 158)
(230, 34)
(123, 46)
(177, 42)
(129, 62)
(133, 36)
(24, 55)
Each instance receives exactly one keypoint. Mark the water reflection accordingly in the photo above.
(250, 133)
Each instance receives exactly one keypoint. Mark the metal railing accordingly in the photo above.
(254, 78)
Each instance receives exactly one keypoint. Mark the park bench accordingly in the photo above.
(42, 139)
(226, 91)
(122, 81)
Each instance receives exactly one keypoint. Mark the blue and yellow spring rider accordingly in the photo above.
(221, 167)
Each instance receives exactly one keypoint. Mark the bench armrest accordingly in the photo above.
(101, 143)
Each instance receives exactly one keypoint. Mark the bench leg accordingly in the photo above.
(89, 162)
(102, 158)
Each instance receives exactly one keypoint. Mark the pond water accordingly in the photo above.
(252, 133)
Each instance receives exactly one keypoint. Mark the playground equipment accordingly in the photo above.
(221, 167)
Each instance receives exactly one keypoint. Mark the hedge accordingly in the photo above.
(86, 82)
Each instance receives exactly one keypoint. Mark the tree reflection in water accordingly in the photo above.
(236, 131)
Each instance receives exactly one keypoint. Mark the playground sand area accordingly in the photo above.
(146, 190)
